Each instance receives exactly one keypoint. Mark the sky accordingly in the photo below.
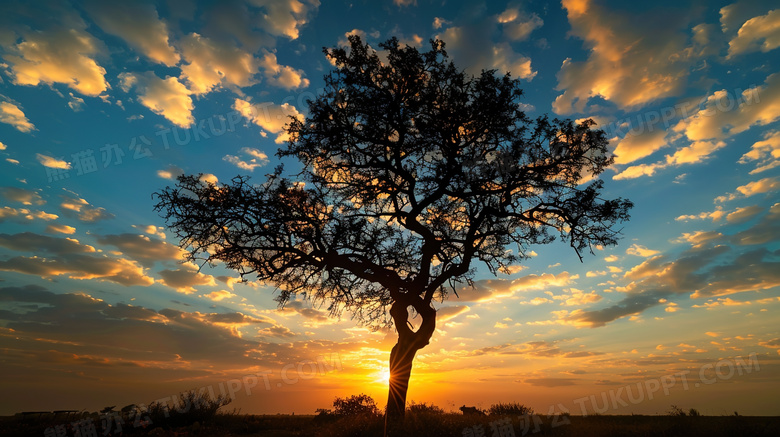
(104, 103)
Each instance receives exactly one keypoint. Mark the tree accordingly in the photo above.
(413, 172)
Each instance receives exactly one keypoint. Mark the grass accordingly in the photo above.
(357, 416)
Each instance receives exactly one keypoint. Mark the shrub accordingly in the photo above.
(424, 408)
(355, 405)
(679, 412)
(509, 409)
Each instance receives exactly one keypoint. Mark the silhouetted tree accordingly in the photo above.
(412, 173)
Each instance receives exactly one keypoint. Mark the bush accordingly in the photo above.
(423, 408)
(679, 412)
(355, 405)
(509, 409)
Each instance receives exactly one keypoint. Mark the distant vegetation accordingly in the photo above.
(199, 414)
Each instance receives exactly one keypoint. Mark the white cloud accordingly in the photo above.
(760, 33)
(471, 44)
(635, 147)
(209, 178)
(185, 280)
(11, 114)
(518, 25)
(724, 114)
(76, 103)
(752, 188)
(258, 159)
(171, 172)
(166, 97)
(83, 210)
(217, 296)
(642, 251)
(210, 64)
(63, 54)
(720, 116)
(766, 153)
(438, 22)
(50, 162)
(714, 215)
(139, 25)
(269, 116)
(285, 17)
(743, 214)
(632, 60)
(281, 75)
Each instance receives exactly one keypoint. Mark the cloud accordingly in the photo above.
(63, 53)
(185, 280)
(517, 25)
(698, 238)
(543, 281)
(719, 116)
(716, 215)
(11, 114)
(60, 229)
(632, 60)
(281, 75)
(438, 22)
(24, 214)
(284, 18)
(158, 231)
(444, 314)
(578, 297)
(31, 242)
(80, 266)
(471, 44)
(711, 268)
(21, 195)
(761, 33)
(760, 186)
(750, 271)
(76, 103)
(143, 249)
(303, 308)
(276, 331)
(765, 231)
(219, 295)
(78, 326)
(765, 153)
(171, 172)
(139, 25)
(743, 214)
(725, 114)
(211, 64)
(490, 289)
(551, 382)
(258, 159)
(401, 3)
(269, 116)
(208, 178)
(642, 251)
(166, 97)
(50, 162)
(83, 210)
(635, 147)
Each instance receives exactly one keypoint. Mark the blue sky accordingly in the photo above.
(103, 104)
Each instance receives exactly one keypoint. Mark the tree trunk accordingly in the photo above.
(401, 358)
(402, 355)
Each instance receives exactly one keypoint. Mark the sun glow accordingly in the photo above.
(381, 377)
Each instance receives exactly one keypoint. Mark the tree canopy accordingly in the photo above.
(412, 174)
